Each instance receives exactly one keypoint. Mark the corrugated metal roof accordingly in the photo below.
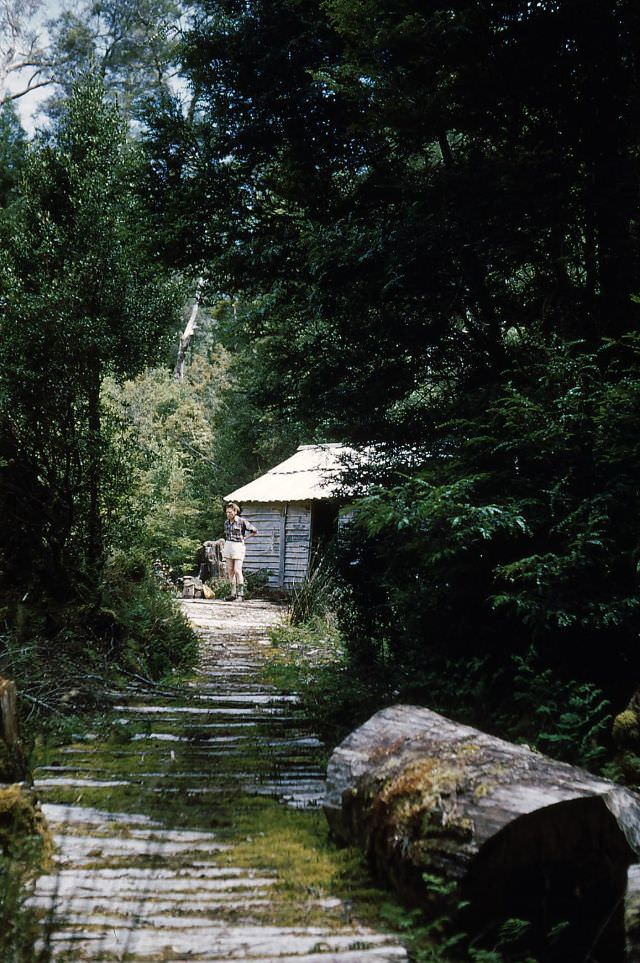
(312, 472)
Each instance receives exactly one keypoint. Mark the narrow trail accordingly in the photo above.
(190, 833)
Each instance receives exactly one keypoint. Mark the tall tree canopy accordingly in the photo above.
(131, 46)
(402, 186)
(82, 297)
(13, 145)
(432, 214)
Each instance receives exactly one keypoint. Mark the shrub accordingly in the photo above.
(318, 593)
(150, 635)
(64, 658)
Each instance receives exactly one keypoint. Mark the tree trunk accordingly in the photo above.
(94, 467)
(8, 713)
(188, 333)
(608, 129)
(13, 766)
(510, 832)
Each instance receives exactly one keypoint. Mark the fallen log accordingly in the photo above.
(499, 830)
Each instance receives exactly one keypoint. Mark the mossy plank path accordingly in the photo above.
(192, 832)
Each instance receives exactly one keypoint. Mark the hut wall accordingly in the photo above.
(283, 542)
(297, 541)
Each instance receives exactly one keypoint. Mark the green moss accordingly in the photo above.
(23, 830)
(25, 851)
(626, 729)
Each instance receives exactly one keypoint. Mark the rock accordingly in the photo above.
(510, 832)
(24, 836)
(191, 587)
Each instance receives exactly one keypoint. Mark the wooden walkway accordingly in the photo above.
(154, 822)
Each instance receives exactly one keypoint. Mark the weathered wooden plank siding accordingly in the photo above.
(286, 563)
(298, 543)
(263, 551)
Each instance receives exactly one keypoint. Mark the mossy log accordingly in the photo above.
(24, 835)
(510, 833)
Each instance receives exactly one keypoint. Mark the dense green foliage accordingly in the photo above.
(82, 299)
(529, 517)
(434, 236)
(13, 149)
(419, 245)
(380, 168)
(418, 229)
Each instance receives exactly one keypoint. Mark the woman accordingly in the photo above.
(236, 529)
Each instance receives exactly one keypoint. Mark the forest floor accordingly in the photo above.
(192, 830)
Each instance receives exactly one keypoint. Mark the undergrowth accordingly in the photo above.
(311, 660)
(25, 850)
(66, 659)
(318, 595)
(520, 700)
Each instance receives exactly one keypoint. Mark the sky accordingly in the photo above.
(27, 106)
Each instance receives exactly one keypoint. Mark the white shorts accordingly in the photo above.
(234, 550)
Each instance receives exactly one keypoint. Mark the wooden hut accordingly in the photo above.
(294, 508)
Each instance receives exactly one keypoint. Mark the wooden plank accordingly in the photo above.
(283, 545)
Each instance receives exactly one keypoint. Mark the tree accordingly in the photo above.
(131, 46)
(423, 208)
(12, 152)
(82, 298)
(396, 190)
(22, 53)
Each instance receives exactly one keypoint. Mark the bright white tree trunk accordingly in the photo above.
(188, 333)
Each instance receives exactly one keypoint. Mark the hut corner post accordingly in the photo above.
(282, 558)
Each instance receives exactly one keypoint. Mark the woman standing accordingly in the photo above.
(236, 529)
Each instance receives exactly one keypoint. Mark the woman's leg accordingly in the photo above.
(239, 578)
(231, 575)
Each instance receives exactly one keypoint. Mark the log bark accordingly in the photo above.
(514, 833)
